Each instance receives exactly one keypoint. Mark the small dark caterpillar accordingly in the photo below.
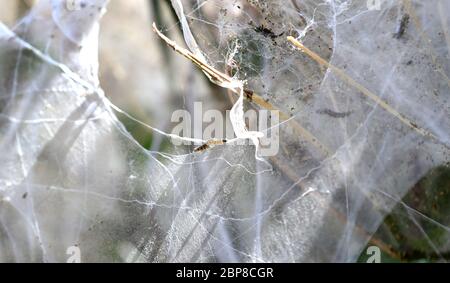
(209, 144)
(267, 32)
(334, 114)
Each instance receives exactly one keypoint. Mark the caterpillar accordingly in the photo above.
(209, 144)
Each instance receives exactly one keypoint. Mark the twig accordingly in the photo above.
(214, 75)
(226, 81)
(349, 80)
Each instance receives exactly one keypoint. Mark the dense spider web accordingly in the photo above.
(73, 175)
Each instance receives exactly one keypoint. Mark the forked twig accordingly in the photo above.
(226, 81)
(223, 80)
(214, 75)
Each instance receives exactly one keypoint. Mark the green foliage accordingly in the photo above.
(411, 236)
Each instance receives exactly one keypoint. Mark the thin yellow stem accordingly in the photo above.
(349, 80)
